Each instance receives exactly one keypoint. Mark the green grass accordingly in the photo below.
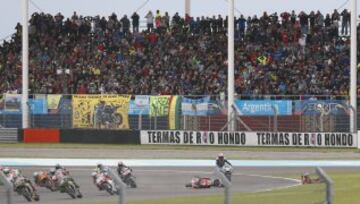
(346, 188)
(177, 147)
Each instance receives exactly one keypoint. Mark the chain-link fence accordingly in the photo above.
(205, 113)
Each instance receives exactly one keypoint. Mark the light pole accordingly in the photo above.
(188, 7)
(353, 67)
(231, 85)
(25, 63)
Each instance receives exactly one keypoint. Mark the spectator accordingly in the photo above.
(135, 22)
(345, 23)
(150, 21)
(188, 57)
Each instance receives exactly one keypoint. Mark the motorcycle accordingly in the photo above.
(43, 179)
(227, 171)
(106, 183)
(23, 187)
(128, 178)
(71, 188)
(203, 182)
(107, 116)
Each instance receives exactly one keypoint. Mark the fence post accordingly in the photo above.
(8, 187)
(155, 119)
(227, 186)
(275, 125)
(120, 185)
(140, 121)
(329, 185)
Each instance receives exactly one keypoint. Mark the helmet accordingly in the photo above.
(221, 155)
(99, 165)
(57, 166)
(120, 164)
(6, 171)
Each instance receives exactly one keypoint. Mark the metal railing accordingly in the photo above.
(9, 188)
(332, 117)
(329, 196)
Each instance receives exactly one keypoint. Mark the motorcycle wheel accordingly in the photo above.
(188, 185)
(132, 183)
(27, 193)
(108, 188)
(217, 183)
(50, 185)
(70, 189)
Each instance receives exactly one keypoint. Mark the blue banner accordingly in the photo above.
(263, 107)
(38, 106)
(140, 106)
(313, 107)
(195, 107)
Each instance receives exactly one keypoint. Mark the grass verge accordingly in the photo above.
(346, 188)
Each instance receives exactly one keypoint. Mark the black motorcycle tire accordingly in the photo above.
(108, 188)
(132, 183)
(188, 185)
(26, 192)
(71, 189)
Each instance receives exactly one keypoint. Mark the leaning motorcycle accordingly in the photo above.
(71, 188)
(128, 178)
(227, 171)
(43, 179)
(24, 188)
(106, 183)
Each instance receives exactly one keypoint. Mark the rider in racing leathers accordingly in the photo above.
(221, 161)
(100, 169)
(121, 169)
(13, 175)
(58, 174)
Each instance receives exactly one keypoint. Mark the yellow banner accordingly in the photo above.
(53, 101)
(101, 111)
(159, 106)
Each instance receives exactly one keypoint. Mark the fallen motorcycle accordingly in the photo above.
(198, 182)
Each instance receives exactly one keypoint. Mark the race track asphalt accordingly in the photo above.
(155, 183)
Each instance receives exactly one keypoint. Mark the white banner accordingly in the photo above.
(277, 139)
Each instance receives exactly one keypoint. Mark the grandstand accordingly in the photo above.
(165, 92)
(275, 54)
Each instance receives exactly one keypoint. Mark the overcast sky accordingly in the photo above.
(10, 10)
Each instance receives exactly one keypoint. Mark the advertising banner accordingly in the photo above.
(311, 107)
(159, 106)
(53, 101)
(195, 107)
(278, 139)
(140, 106)
(263, 107)
(13, 103)
(101, 111)
(38, 106)
(174, 112)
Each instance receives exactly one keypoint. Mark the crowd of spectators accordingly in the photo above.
(285, 54)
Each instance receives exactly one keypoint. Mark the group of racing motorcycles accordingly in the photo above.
(59, 179)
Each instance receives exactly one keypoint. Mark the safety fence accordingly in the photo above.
(200, 113)
(189, 138)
